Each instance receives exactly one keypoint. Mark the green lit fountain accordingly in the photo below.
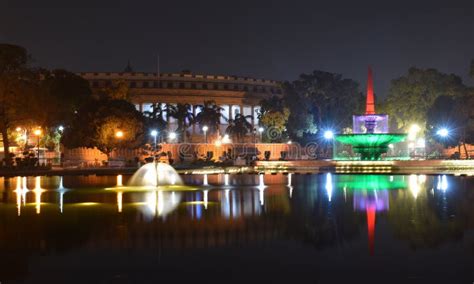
(370, 138)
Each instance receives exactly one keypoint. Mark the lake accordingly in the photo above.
(311, 228)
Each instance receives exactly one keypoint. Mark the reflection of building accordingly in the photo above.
(233, 93)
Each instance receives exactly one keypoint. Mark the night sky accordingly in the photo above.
(264, 39)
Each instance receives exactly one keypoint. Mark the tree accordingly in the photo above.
(210, 115)
(319, 100)
(118, 90)
(16, 90)
(273, 115)
(62, 94)
(155, 118)
(411, 96)
(239, 126)
(457, 115)
(183, 115)
(97, 123)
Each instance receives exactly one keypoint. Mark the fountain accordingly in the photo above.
(154, 175)
(370, 138)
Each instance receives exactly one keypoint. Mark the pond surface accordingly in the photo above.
(268, 229)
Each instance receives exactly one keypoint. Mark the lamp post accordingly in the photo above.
(205, 128)
(329, 136)
(154, 133)
(38, 132)
(172, 136)
(119, 134)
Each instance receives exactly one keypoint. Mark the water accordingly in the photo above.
(269, 229)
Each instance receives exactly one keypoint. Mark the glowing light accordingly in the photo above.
(154, 133)
(328, 134)
(205, 128)
(37, 132)
(204, 182)
(218, 143)
(289, 179)
(119, 134)
(226, 139)
(37, 190)
(61, 128)
(260, 129)
(443, 132)
(420, 143)
(261, 189)
(206, 198)
(442, 183)
(390, 146)
(415, 184)
(18, 129)
(289, 142)
(119, 201)
(329, 186)
(226, 179)
(119, 180)
(172, 135)
(413, 131)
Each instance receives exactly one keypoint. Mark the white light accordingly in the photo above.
(205, 128)
(329, 186)
(443, 132)
(154, 133)
(289, 142)
(390, 146)
(260, 129)
(172, 136)
(226, 139)
(412, 132)
(61, 128)
(328, 134)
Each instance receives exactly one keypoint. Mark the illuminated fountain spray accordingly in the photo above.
(61, 191)
(119, 180)
(19, 193)
(155, 174)
(38, 191)
(204, 182)
(206, 198)
(261, 188)
(329, 186)
(226, 179)
(290, 187)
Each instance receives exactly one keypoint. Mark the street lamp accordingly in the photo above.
(38, 132)
(119, 134)
(443, 132)
(172, 135)
(205, 129)
(154, 133)
(328, 134)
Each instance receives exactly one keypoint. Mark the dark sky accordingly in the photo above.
(265, 39)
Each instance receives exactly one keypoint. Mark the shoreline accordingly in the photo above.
(450, 167)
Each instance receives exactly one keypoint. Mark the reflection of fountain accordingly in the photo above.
(226, 179)
(371, 195)
(155, 174)
(329, 186)
(38, 190)
(261, 188)
(370, 138)
(61, 191)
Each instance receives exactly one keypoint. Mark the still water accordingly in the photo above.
(239, 228)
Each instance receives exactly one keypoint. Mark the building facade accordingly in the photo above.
(233, 94)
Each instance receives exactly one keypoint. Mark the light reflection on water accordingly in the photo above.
(318, 211)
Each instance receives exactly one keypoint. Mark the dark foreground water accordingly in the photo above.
(295, 229)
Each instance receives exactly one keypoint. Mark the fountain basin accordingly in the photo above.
(370, 146)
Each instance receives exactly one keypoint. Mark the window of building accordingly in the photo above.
(256, 111)
(225, 113)
(204, 86)
(164, 85)
(193, 85)
(226, 87)
(95, 84)
(246, 88)
(145, 84)
(133, 84)
(181, 86)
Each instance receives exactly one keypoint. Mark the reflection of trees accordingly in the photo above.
(419, 220)
(322, 223)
